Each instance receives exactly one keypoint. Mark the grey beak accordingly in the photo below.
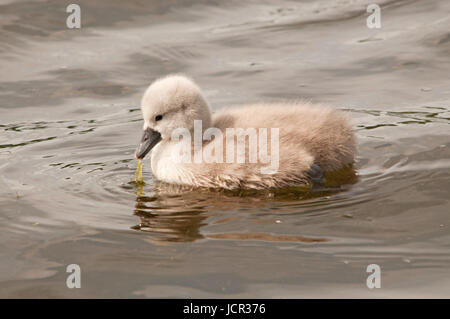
(149, 139)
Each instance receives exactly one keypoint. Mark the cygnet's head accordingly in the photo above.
(172, 102)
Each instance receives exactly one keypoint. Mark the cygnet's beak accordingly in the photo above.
(149, 139)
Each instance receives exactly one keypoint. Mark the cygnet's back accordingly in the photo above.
(322, 131)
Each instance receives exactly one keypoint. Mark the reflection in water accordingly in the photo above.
(170, 218)
(174, 213)
(268, 237)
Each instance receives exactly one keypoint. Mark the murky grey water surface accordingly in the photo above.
(70, 120)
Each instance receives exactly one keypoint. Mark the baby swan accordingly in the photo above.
(282, 144)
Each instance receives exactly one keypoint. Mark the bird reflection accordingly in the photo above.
(173, 213)
(170, 214)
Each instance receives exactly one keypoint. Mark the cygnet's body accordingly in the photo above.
(312, 138)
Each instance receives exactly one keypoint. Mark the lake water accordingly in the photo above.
(70, 121)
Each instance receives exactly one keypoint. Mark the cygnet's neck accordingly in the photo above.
(171, 157)
(167, 165)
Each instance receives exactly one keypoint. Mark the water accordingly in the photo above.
(70, 120)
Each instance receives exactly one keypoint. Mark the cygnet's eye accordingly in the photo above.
(158, 118)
